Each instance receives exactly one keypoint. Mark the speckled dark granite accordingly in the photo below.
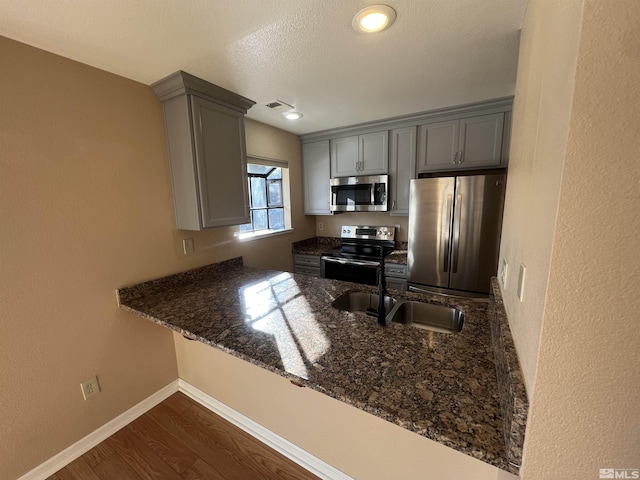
(441, 386)
(513, 396)
(315, 245)
(397, 256)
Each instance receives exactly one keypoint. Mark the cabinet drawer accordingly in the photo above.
(314, 271)
(306, 260)
(395, 270)
(397, 284)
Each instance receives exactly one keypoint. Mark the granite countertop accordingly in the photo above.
(398, 256)
(315, 245)
(441, 386)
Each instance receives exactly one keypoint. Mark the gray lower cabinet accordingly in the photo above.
(396, 276)
(204, 125)
(467, 143)
(316, 165)
(306, 264)
(402, 168)
(366, 154)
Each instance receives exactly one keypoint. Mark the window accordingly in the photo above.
(268, 199)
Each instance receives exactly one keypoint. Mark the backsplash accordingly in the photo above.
(331, 223)
(514, 405)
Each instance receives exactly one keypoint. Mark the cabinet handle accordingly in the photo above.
(455, 155)
(461, 159)
(393, 204)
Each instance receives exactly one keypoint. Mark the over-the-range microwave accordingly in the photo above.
(359, 194)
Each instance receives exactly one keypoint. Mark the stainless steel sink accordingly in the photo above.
(358, 302)
(437, 318)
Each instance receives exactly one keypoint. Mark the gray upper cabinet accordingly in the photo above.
(438, 145)
(366, 154)
(344, 157)
(204, 125)
(316, 171)
(481, 141)
(402, 168)
(465, 137)
(467, 143)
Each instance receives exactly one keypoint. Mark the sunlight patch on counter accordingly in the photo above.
(277, 307)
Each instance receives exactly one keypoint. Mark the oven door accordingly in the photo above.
(350, 270)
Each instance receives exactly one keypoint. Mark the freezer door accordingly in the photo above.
(477, 223)
(430, 223)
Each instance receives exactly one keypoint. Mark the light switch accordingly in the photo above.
(187, 245)
(521, 277)
(503, 273)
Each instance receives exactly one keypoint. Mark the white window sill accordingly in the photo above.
(248, 237)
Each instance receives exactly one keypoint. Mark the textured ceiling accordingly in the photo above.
(438, 53)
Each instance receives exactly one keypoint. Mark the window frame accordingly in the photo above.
(285, 204)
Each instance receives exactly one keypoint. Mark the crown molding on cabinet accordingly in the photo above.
(180, 83)
(503, 104)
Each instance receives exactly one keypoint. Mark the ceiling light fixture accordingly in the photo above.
(292, 115)
(374, 18)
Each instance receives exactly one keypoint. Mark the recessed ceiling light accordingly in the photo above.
(374, 18)
(292, 115)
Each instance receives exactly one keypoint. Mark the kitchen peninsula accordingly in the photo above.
(437, 385)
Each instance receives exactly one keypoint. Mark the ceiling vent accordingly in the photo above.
(279, 106)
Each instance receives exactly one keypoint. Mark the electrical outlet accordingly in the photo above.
(187, 245)
(521, 277)
(320, 226)
(90, 388)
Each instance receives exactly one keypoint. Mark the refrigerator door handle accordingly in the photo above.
(456, 234)
(447, 233)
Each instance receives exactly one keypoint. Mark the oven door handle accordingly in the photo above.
(363, 263)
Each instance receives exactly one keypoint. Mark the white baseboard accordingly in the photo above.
(266, 436)
(85, 444)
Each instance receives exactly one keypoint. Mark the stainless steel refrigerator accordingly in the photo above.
(454, 231)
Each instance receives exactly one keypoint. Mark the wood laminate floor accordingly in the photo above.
(180, 439)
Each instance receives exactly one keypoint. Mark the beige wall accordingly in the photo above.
(356, 443)
(86, 207)
(584, 408)
(542, 107)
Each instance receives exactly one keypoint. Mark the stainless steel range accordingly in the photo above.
(359, 257)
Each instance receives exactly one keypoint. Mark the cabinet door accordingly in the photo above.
(481, 141)
(397, 284)
(344, 157)
(373, 153)
(437, 146)
(315, 164)
(402, 168)
(221, 164)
